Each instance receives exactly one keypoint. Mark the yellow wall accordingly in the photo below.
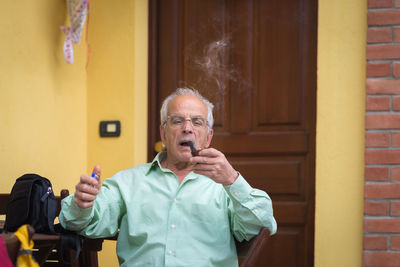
(340, 133)
(117, 78)
(49, 110)
(42, 99)
(117, 89)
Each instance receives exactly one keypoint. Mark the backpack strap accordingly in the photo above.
(69, 240)
(51, 208)
(52, 205)
(51, 223)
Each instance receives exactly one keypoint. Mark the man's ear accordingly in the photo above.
(162, 134)
(209, 137)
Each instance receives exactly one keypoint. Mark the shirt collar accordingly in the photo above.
(157, 161)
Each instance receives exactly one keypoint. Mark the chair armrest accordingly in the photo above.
(255, 247)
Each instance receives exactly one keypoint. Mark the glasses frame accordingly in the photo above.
(190, 119)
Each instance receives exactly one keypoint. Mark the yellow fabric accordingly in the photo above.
(25, 260)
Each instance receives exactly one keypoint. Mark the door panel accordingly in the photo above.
(278, 177)
(256, 61)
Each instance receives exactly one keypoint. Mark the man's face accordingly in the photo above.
(176, 135)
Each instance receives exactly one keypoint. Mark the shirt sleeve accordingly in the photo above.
(250, 209)
(100, 220)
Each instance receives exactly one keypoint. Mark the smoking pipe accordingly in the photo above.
(195, 152)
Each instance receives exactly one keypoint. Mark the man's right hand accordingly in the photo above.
(87, 189)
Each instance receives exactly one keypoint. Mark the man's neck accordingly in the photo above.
(181, 169)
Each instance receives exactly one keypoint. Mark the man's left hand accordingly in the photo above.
(213, 163)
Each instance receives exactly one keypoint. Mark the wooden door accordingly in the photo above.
(256, 61)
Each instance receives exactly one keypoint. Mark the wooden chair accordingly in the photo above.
(47, 247)
(248, 251)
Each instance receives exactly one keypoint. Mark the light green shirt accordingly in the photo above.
(164, 223)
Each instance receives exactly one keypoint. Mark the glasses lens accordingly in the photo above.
(178, 121)
(197, 122)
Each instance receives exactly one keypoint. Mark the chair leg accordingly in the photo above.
(42, 254)
(89, 259)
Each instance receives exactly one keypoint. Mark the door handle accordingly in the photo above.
(158, 147)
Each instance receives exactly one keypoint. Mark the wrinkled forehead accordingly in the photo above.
(187, 105)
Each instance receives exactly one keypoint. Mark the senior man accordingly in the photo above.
(178, 210)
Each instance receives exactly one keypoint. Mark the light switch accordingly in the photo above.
(110, 128)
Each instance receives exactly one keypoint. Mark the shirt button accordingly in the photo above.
(169, 252)
(236, 193)
(255, 211)
(174, 200)
(173, 226)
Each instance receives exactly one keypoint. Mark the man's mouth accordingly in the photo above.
(188, 144)
(185, 143)
(192, 147)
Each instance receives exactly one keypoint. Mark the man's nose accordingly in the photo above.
(187, 126)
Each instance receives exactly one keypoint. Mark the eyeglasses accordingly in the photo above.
(178, 121)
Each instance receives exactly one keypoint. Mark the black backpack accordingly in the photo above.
(31, 202)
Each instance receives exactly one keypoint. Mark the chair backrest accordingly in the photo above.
(249, 252)
(3, 208)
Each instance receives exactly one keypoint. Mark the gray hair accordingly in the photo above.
(186, 91)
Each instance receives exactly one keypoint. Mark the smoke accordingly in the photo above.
(211, 72)
(210, 62)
